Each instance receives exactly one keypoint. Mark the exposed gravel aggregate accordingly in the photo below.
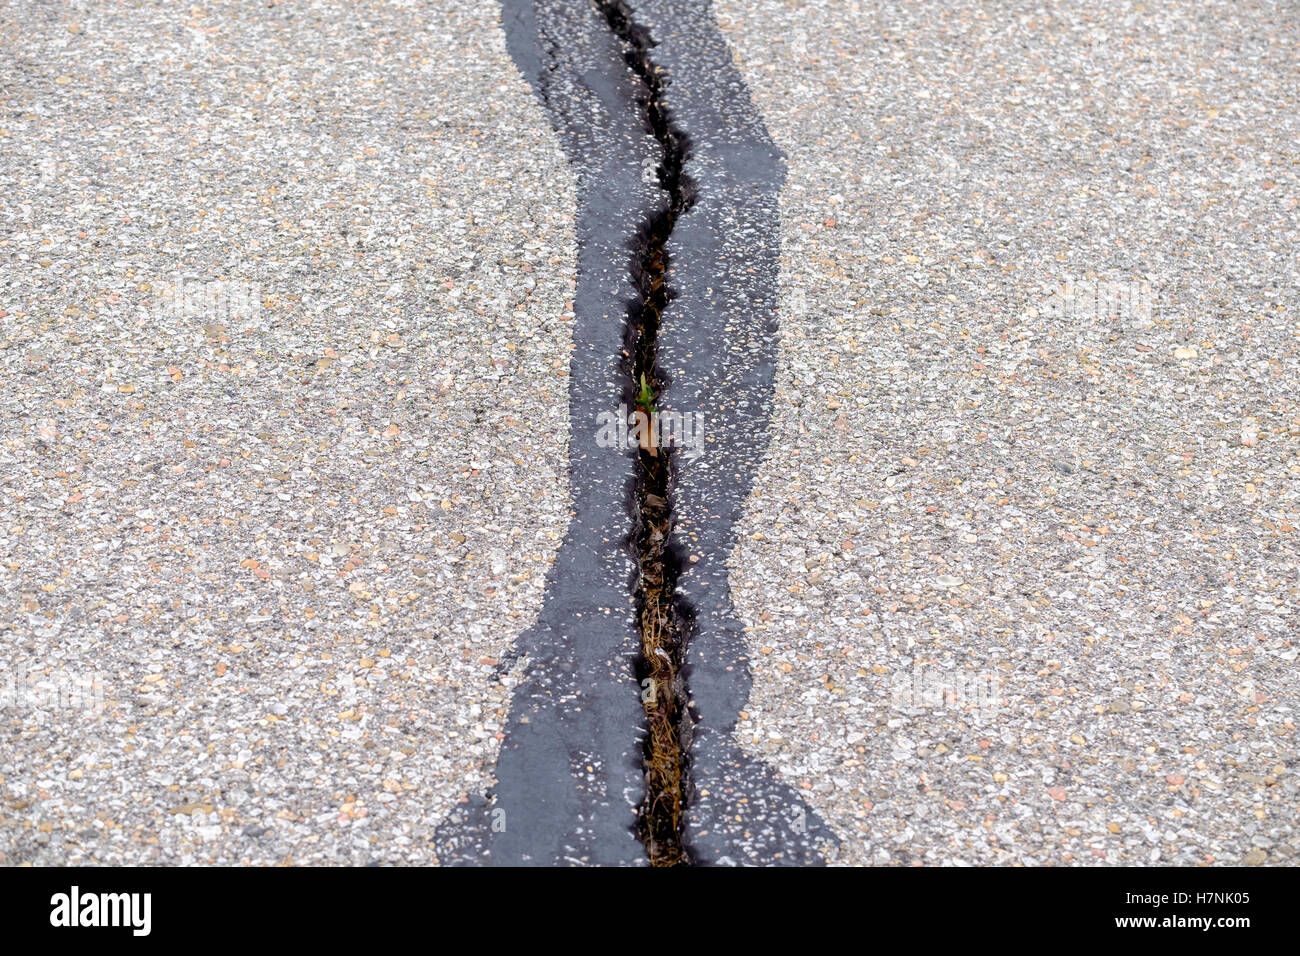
(285, 308)
(294, 516)
(1080, 522)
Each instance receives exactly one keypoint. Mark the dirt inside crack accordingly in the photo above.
(661, 619)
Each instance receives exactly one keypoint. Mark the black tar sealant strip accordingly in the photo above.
(572, 768)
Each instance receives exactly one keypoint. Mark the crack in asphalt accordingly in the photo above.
(592, 769)
(661, 624)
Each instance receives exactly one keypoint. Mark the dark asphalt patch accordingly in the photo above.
(570, 769)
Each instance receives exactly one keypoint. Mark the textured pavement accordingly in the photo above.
(285, 295)
(285, 324)
(1020, 572)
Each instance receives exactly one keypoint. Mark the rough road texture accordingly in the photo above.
(293, 541)
(287, 314)
(970, 484)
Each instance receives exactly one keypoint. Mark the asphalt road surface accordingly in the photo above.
(311, 550)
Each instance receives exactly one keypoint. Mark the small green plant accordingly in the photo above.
(647, 397)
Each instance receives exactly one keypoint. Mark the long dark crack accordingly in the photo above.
(661, 619)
